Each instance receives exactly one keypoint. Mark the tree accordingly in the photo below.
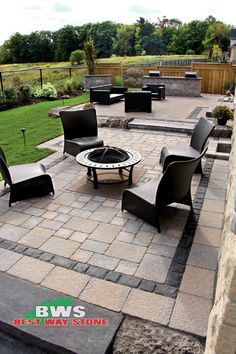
(90, 55)
(16, 48)
(65, 42)
(217, 34)
(123, 43)
(145, 31)
(76, 57)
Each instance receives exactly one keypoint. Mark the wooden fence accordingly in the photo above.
(215, 77)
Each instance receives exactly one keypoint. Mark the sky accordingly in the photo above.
(26, 16)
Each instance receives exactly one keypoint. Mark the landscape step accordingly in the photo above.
(18, 297)
(167, 126)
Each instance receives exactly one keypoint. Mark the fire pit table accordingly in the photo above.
(109, 158)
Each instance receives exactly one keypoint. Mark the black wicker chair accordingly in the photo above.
(174, 186)
(25, 181)
(80, 130)
(200, 134)
(158, 91)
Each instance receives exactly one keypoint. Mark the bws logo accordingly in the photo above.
(59, 313)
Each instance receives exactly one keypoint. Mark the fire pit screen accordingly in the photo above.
(109, 158)
(108, 154)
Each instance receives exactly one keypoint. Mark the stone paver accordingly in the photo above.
(154, 268)
(66, 281)
(129, 252)
(36, 237)
(104, 214)
(161, 250)
(51, 224)
(167, 240)
(127, 267)
(81, 224)
(216, 206)
(208, 236)
(125, 236)
(105, 233)
(191, 314)
(7, 259)
(203, 256)
(81, 256)
(13, 218)
(94, 246)
(143, 238)
(198, 281)
(60, 246)
(102, 261)
(211, 219)
(106, 294)
(12, 232)
(78, 236)
(151, 307)
(31, 269)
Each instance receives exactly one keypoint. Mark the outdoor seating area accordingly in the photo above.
(147, 247)
(107, 94)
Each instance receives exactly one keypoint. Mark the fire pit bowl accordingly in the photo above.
(109, 158)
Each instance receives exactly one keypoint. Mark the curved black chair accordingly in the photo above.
(174, 186)
(80, 130)
(198, 141)
(25, 181)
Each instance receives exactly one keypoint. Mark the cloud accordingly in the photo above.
(33, 7)
(141, 10)
(58, 7)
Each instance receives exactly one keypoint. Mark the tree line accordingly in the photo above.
(166, 36)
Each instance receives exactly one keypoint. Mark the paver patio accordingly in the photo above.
(81, 244)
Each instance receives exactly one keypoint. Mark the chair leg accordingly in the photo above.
(199, 168)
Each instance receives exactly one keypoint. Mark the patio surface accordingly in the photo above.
(82, 245)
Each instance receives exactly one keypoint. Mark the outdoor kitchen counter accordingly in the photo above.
(177, 86)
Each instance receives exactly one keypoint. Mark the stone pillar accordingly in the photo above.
(221, 336)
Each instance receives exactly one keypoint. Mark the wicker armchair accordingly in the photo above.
(80, 130)
(200, 134)
(174, 186)
(25, 181)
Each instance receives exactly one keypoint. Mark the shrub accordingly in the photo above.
(190, 52)
(222, 112)
(2, 98)
(48, 91)
(11, 95)
(25, 92)
(133, 77)
(73, 84)
(76, 57)
(117, 81)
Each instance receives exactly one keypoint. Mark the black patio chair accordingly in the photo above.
(200, 134)
(80, 130)
(26, 180)
(174, 186)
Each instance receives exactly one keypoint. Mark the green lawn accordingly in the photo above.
(39, 128)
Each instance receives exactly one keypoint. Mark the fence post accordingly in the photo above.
(70, 72)
(1, 83)
(41, 77)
